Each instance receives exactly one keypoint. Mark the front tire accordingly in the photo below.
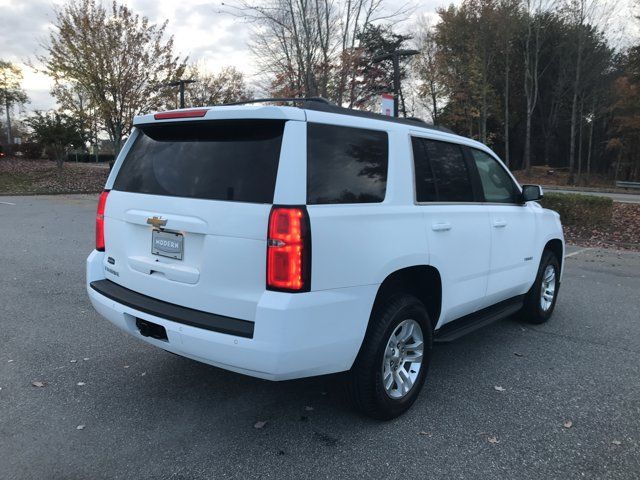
(541, 298)
(392, 364)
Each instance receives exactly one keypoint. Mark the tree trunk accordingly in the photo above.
(615, 178)
(7, 107)
(527, 145)
(589, 149)
(580, 140)
(506, 109)
(574, 107)
(434, 113)
(117, 140)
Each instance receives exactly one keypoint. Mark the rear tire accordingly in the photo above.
(392, 364)
(541, 298)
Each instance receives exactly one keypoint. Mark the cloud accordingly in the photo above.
(205, 30)
(24, 26)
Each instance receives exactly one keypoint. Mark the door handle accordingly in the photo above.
(499, 223)
(441, 227)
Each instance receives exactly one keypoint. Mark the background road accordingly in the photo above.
(150, 414)
(617, 197)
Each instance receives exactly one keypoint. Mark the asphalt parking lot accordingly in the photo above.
(570, 407)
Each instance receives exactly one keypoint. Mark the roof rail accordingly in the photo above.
(323, 105)
(281, 100)
(332, 108)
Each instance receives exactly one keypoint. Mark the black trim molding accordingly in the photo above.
(175, 313)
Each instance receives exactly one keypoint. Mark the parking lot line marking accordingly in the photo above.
(7, 203)
(576, 253)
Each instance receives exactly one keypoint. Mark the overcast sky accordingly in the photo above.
(200, 28)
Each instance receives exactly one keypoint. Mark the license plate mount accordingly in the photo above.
(167, 244)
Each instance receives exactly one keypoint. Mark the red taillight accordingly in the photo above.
(192, 113)
(102, 203)
(289, 250)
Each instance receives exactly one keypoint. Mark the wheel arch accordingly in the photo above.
(422, 281)
(556, 246)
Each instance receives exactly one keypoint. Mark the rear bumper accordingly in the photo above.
(294, 335)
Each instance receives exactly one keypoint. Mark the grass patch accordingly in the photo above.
(19, 177)
(14, 183)
(580, 210)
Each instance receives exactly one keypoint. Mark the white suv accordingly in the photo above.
(284, 242)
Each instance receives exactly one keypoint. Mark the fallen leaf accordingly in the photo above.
(81, 384)
(616, 442)
(499, 389)
(80, 427)
(308, 409)
(259, 424)
(567, 424)
(493, 440)
(39, 384)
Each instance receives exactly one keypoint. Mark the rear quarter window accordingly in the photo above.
(233, 161)
(441, 172)
(346, 165)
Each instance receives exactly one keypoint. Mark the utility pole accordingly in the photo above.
(395, 59)
(180, 83)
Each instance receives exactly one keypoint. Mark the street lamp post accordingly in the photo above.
(395, 59)
(180, 83)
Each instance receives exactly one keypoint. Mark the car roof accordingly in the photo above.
(314, 110)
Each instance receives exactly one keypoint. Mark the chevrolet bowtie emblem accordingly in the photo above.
(157, 222)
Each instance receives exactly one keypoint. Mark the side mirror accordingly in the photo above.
(531, 193)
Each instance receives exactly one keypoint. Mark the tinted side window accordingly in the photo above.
(496, 183)
(346, 165)
(425, 181)
(450, 173)
(234, 161)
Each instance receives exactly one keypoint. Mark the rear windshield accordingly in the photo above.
(235, 161)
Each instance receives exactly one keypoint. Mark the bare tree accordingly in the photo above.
(533, 42)
(509, 10)
(579, 13)
(584, 15)
(225, 86)
(309, 47)
(114, 55)
(430, 83)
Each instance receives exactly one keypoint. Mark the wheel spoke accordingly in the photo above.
(414, 356)
(414, 346)
(407, 331)
(388, 380)
(407, 383)
(399, 381)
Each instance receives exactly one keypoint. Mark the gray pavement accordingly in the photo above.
(617, 197)
(149, 414)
